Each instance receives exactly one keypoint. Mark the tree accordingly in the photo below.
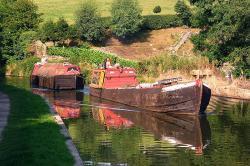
(225, 30)
(48, 32)
(23, 45)
(183, 12)
(62, 30)
(17, 16)
(89, 23)
(126, 18)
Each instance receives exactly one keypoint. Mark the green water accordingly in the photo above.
(107, 133)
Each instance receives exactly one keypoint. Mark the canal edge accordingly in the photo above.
(64, 131)
(4, 112)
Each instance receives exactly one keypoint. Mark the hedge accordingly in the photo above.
(152, 22)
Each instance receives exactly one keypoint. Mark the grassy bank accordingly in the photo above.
(31, 136)
(58, 8)
(88, 59)
(148, 70)
(21, 68)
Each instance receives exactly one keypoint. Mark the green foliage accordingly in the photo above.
(47, 32)
(21, 67)
(225, 29)
(126, 18)
(89, 23)
(62, 29)
(16, 17)
(157, 9)
(78, 55)
(160, 64)
(23, 45)
(183, 12)
(56, 31)
(153, 22)
(240, 58)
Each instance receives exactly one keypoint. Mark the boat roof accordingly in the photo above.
(54, 69)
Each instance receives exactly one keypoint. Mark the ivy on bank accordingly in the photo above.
(91, 56)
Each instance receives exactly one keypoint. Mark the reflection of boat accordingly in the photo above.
(56, 76)
(66, 103)
(188, 131)
(110, 118)
(120, 85)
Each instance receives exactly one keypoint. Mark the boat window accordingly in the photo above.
(72, 69)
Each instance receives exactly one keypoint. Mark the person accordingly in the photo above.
(107, 63)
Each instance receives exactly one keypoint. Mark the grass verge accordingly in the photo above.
(31, 136)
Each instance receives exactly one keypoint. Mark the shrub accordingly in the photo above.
(24, 67)
(126, 18)
(89, 23)
(153, 22)
(79, 55)
(240, 58)
(62, 30)
(183, 12)
(23, 44)
(154, 66)
(157, 9)
(47, 32)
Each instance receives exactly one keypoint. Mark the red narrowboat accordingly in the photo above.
(170, 96)
(57, 76)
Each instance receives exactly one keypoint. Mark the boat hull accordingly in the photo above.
(59, 82)
(188, 98)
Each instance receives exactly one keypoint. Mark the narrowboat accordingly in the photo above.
(168, 96)
(56, 76)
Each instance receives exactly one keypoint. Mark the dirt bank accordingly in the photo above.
(151, 43)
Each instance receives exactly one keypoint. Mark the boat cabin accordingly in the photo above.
(56, 76)
(111, 78)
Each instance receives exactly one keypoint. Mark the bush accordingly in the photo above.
(24, 67)
(89, 23)
(154, 66)
(62, 30)
(152, 22)
(240, 58)
(47, 32)
(126, 18)
(22, 46)
(183, 12)
(157, 9)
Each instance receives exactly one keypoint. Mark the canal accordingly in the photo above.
(107, 133)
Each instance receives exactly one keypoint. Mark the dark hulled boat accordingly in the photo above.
(121, 85)
(57, 76)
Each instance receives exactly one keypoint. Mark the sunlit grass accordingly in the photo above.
(65, 8)
(31, 136)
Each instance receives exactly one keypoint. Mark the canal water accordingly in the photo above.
(107, 133)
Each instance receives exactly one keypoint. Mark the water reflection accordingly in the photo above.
(65, 103)
(183, 131)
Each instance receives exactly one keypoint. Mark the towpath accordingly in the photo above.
(4, 112)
